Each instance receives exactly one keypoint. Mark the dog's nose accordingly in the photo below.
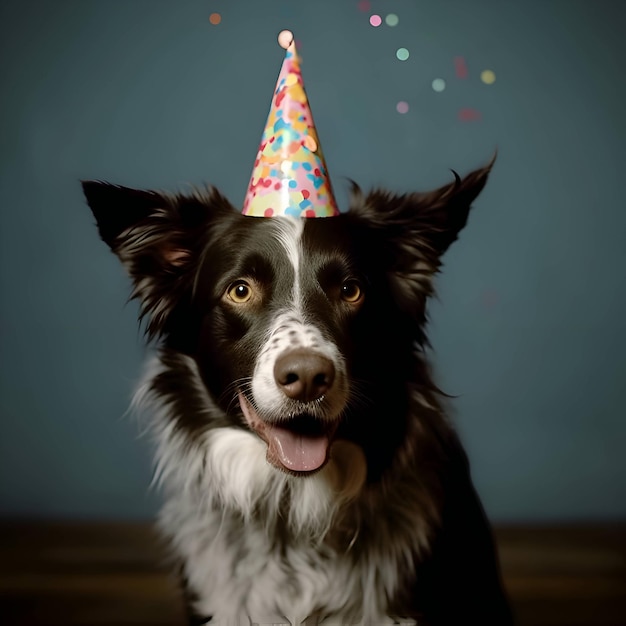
(304, 375)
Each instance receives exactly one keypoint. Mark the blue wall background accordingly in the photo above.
(530, 327)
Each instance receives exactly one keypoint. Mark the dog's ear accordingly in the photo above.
(416, 229)
(117, 208)
(157, 236)
(431, 220)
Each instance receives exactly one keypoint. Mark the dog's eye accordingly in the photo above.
(240, 292)
(351, 291)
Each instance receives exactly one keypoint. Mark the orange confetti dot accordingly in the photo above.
(310, 143)
(215, 18)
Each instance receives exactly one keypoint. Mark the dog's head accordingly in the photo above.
(303, 330)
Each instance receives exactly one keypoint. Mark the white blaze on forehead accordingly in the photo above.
(289, 235)
(288, 330)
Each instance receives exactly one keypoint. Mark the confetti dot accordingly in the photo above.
(376, 20)
(488, 77)
(402, 54)
(460, 67)
(310, 143)
(439, 84)
(469, 115)
(364, 5)
(215, 18)
(402, 107)
(392, 20)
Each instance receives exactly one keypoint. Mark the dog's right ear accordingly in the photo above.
(158, 237)
(118, 208)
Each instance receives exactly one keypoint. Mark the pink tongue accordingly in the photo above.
(297, 452)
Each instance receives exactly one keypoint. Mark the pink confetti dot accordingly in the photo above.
(376, 20)
(402, 107)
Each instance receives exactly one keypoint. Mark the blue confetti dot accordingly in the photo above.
(280, 123)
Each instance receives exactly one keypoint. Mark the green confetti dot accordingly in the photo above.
(402, 54)
(439, 84)
(391, 19)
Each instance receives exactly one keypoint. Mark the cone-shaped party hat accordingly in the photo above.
(289, 175)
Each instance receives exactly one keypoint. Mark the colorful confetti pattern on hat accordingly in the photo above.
(289, 175)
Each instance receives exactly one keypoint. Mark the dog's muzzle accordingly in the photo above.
(299, 444)
(299, 441)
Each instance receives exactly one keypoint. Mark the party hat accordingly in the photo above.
(289, 175)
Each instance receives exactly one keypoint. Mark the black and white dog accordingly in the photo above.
(310, 473)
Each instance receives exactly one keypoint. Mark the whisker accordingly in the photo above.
(231, 391)
(358, 396)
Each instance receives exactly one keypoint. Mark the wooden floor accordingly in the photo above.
(70, 574)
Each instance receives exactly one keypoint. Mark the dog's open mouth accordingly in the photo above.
(300, 444)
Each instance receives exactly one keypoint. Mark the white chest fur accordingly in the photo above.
(257, 582)
(259, 546)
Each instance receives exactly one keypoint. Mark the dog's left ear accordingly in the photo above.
(443, 213)
(431, 220)
(416, 229)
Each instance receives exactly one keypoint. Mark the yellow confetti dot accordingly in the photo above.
(488, 77)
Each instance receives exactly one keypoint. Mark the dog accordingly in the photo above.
(309, 471)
